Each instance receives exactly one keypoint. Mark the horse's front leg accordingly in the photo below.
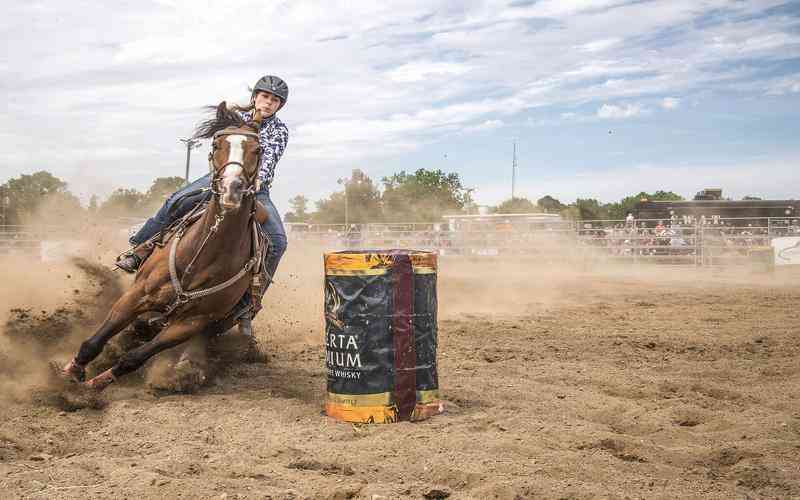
(174, 334)
(122, 313)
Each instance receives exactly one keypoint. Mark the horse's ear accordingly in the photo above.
(222, 109)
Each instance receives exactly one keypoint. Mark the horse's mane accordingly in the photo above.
(222, 119)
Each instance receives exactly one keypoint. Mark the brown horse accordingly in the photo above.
(199, 276)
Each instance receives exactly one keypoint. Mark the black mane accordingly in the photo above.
(223, 118)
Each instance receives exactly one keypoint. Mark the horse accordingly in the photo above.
(197, 279)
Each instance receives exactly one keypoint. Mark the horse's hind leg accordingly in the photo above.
(173, 335)
(122, 313)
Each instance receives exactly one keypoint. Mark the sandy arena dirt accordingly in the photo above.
(561, 382)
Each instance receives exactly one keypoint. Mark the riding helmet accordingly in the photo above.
(273, 85)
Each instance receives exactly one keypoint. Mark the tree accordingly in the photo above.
(620, 209)
(423, 196)
(299, 211)
(585, 209)
(124, 202)
(549, 205)
(516, 206)
(24, 194)
(360, 197)
(160, 190)
(93, 204)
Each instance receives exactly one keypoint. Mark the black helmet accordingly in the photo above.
(273, 85)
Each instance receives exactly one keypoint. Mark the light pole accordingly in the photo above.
(190, 144)
(346, 183)
(514, 173)
(346, 220)
(4, 202)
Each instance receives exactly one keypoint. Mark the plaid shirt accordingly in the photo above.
(273, 136)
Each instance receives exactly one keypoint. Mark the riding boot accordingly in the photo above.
(131, 260)
(101, 381)
(128, 262)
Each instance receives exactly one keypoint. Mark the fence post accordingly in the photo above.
(699, 243)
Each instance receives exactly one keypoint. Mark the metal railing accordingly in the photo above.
(714, 241)
(709, 243)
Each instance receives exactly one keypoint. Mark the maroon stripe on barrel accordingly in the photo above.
(405, 356)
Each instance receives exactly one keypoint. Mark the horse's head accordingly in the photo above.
(234, 156)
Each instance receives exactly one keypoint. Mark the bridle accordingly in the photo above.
(252, 180)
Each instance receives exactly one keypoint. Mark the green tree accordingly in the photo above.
(23, 195)
(160, 190)
(585, 209)
(549, 205)
(516, 206)
(124, 202)
(299, 211)
(93, 204)
(423, 196)
(359, 197)
(620, 209)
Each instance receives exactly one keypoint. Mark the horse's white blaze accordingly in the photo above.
(237, 147)
(233, 170)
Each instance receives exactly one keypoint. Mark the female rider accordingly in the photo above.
(269, 95)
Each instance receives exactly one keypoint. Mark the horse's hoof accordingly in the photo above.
(101, 381)
(73, 372)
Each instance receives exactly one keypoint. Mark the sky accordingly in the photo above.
(603, 98)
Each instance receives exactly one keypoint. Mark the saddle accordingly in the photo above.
(260, 278)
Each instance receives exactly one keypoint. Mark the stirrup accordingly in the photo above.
(128, 262)
(246, 325)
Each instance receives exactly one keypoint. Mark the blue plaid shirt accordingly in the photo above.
(273, 136)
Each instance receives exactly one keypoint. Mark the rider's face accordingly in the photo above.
(267, 103)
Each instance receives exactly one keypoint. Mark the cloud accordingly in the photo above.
(599, 45)
(486, 125)
(787, 85)
(613, 112)
(670, 102)
(369, 80)
(420, 70)
(612, 184)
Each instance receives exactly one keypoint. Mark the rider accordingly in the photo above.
(268, 96)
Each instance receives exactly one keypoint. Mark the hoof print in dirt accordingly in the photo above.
(617, 448)
(323, 468)
(436, 493)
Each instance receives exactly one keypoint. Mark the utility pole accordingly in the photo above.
(3, 203)
(345, 182)
(190, 144)
(514, 173)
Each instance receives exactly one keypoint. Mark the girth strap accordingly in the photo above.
(182, 296)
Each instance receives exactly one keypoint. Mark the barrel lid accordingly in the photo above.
(377, 262)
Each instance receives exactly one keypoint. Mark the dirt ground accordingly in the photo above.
(561, 381)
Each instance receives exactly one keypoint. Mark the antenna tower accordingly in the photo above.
(514, 172)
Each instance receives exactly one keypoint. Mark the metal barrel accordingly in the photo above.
(381, 335)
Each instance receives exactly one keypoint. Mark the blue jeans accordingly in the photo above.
(176, 207)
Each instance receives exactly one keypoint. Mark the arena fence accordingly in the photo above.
(706, 242)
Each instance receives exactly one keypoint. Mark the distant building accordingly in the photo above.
(709, 207)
